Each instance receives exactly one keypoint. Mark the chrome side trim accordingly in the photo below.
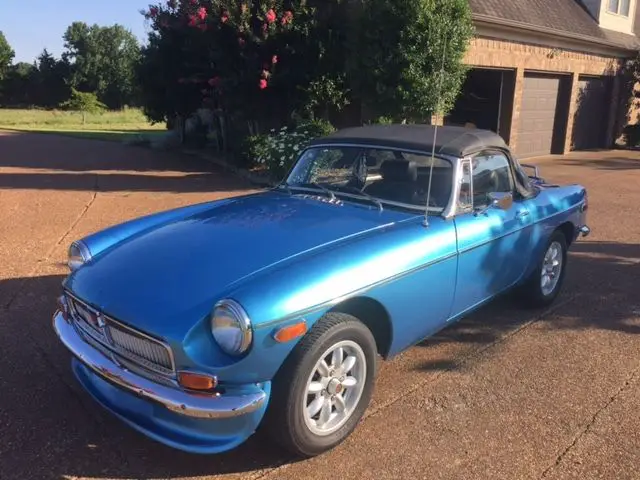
(353, 293)
(177, 401)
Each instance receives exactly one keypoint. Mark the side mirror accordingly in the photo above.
(502, 201)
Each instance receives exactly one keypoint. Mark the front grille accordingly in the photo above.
(121, 340)
(150, 353)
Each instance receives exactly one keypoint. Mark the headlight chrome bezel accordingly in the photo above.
(237, 313)
(77, 255)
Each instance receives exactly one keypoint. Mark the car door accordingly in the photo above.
(493, 244)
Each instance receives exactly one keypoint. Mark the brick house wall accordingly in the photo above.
(521, 57)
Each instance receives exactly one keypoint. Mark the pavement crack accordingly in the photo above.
(82, 214)
(464, 359)
(49, 252)
(587, 428)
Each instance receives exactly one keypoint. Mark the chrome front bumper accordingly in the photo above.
(178, 401)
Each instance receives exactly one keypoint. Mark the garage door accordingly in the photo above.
(590, 121)
(537, 114)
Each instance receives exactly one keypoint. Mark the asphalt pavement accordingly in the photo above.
(505, 394)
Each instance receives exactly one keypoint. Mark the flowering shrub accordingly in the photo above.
(278, 150)
(230, 47)
(254, 61)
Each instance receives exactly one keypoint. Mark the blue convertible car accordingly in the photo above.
(200, 324)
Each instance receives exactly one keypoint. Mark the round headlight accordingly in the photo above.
(231, 327)
(78, 254)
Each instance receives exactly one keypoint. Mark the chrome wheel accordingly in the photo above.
(551, 268)
(334, 387)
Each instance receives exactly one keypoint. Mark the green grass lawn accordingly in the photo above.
(112, 126)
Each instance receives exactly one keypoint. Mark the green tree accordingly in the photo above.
(406, 56)
(50, 84)
(6, 55)
(167, 93)
(84, 102)
(103, 60)
(256, 62)
(17, 87)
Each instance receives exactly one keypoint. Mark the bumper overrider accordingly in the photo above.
(583, 231)
(190, 421)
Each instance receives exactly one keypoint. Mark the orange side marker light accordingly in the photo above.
(288, 333)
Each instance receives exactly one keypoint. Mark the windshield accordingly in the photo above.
(381, 176)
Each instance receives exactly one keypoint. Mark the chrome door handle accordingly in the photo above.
(522, 213)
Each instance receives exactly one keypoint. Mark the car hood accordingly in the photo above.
(165, 279)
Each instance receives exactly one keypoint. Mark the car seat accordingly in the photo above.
(399, 181)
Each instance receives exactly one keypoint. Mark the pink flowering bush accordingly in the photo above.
(260, 63)
(238, 42)
(252, 60)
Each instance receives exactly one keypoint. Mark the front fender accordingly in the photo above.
(260, 364)
(393, 266)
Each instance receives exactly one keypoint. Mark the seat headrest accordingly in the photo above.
(399, 171)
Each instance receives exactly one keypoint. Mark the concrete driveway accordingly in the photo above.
(505, 394)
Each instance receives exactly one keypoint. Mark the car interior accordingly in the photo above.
(397, 176)
(405, 181)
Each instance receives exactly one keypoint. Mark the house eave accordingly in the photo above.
(517, 29)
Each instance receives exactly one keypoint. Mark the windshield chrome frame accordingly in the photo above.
(449, 211)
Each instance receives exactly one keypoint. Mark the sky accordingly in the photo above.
(32, 25)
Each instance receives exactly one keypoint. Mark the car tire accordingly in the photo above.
(537, 292)
(289, 419)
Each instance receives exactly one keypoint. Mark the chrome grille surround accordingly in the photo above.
(130, 347)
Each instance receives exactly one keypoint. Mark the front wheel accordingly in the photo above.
(324, 387)
(545, 282)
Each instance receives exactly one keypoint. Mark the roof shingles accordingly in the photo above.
(560, 15)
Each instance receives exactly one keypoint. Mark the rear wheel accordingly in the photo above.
(324, 387)
(545, 282)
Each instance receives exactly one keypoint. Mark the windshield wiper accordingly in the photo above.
(324, 189)
(359, 192)
(315, 185)
(285, 187)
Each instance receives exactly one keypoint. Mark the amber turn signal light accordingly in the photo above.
(196, 381)
(290, 332)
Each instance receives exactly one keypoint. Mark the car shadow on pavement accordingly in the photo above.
(608, 163)
(600, 288)
(51, 428)
(56, 422)
(49, 162)
(214, 181)
(56, 152)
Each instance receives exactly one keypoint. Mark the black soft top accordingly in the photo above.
(450, 140)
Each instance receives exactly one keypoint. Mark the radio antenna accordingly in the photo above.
(435, 131)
